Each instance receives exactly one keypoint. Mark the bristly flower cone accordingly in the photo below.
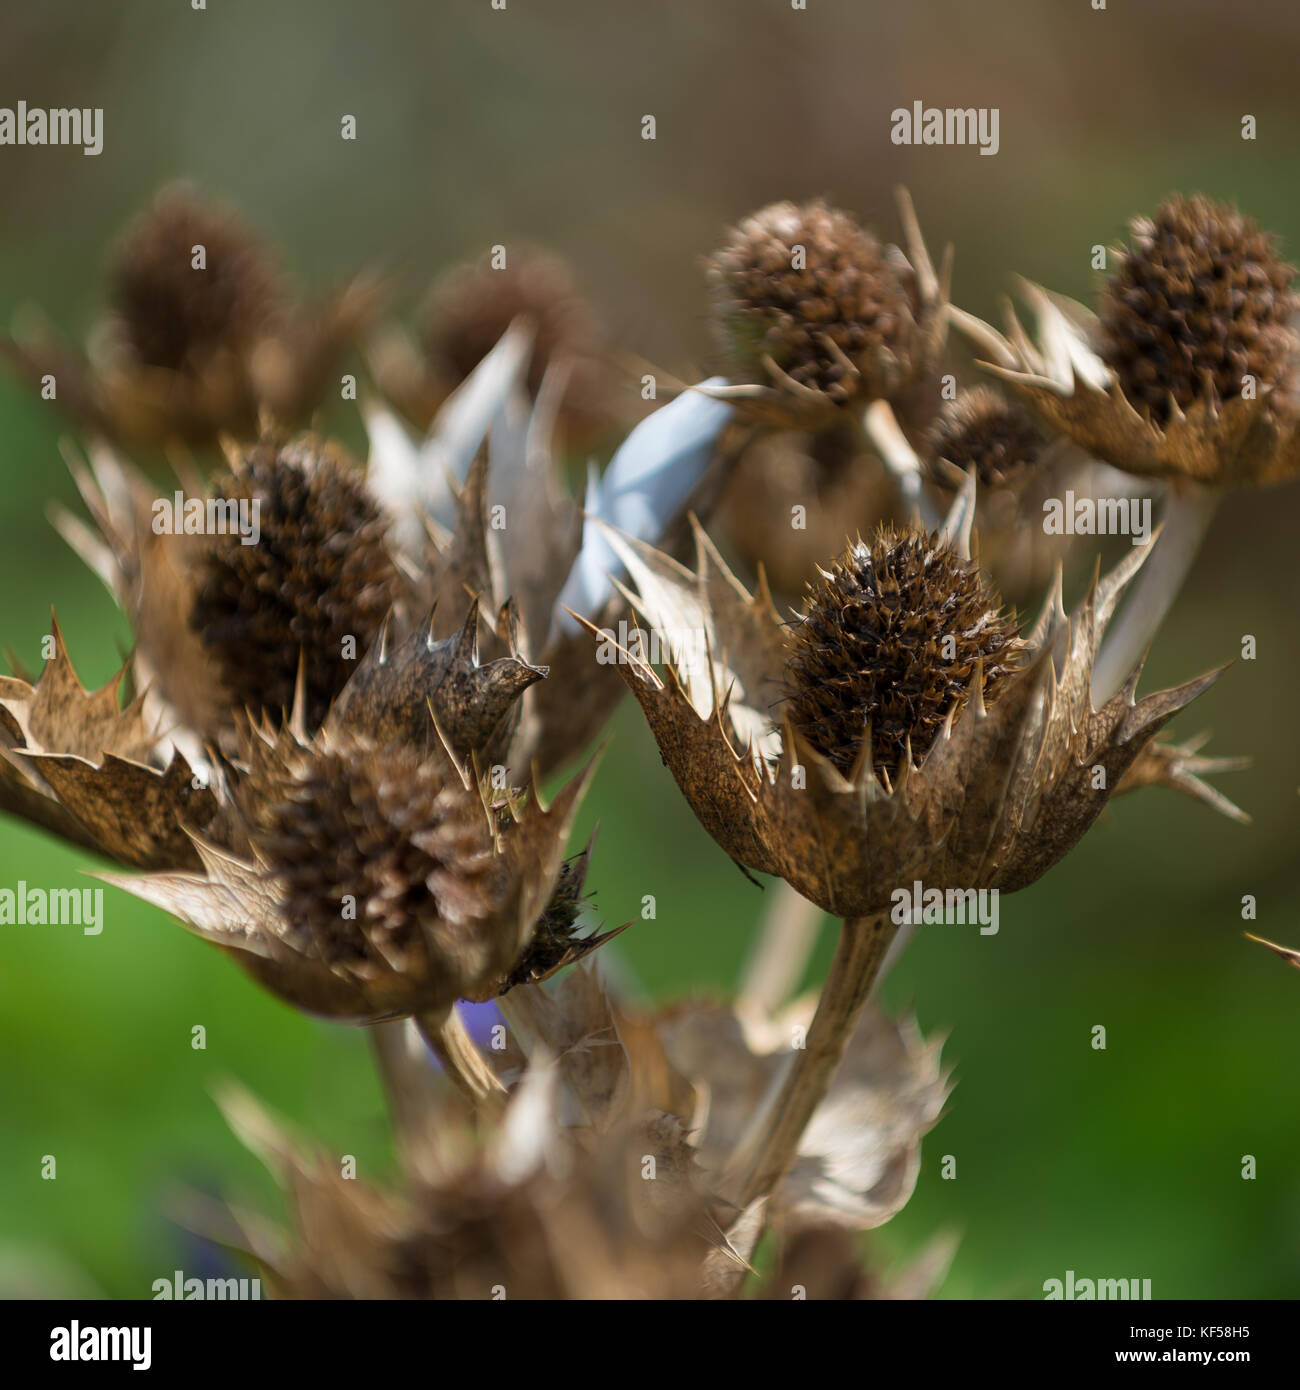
(319, 574)
(387, 832)
(1008, 785)
(1200, 301)
(888, 646)
(175, 315)
(362, 879)
(826, 323)
(984, 432)
(472, 307)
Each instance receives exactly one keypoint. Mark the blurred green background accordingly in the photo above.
(476, 126)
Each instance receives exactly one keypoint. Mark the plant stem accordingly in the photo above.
(767, 1154)
(779, 956)
(901, 463)
(464, 1064)
(410, 1083)
(1186, 518)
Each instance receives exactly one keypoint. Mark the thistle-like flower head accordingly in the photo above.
(1188, 373)
(315, 585)
(1201, 300)
(467, 313)
(363, 880)
(553, 1202)
(202, 334)
(174, 316)
(814, 312)
(984, 432)
(810, 291)
(997, 786)
(889, 646)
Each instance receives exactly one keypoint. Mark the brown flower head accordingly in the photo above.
(887, 650)
(983, 432)
(1017, 772)
(175, 315)
(1189, 371)
(552, 1202)
(471, 308)
(808, 302)
(202, 336)
(521, 1209)
(365, 880)
(314, 585)
(469, 311)
(1200, 300)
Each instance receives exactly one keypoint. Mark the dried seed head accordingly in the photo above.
(984, 431)
(385, 860)
(889, 640)
(828, 315)
(472, 307)
(1201, 299)
(175, 315)
(402, 687)
(319, 574)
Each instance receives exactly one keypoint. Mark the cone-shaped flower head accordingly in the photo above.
(1200, 301)
(472, 307)
(891, 643)
(1007, 781)
(467, 314)
(317, 581)
(810, 290)
(370, 880)
(176, 315)
(813, 312)
(518, 1207)
(202, 335)
(1190, 370)
(984, 432)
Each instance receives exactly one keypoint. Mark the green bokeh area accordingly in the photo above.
(1125, 1162)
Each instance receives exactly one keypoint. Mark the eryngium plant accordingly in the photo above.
(328, 756)
(193, 347)
(898, 729)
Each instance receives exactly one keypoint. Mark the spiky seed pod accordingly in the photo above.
(367, 880)
(474, 706)
(827, 316)
(889, 642)
(471, 308)
(984, 432)
(1004, 792)
(319, 574)
(388, 830)
(176, 316)
(1201, 299)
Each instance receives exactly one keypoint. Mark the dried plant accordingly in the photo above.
(328, 761)
(201, 336)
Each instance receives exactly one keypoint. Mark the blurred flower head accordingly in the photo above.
(202, 337)
(815, 314)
